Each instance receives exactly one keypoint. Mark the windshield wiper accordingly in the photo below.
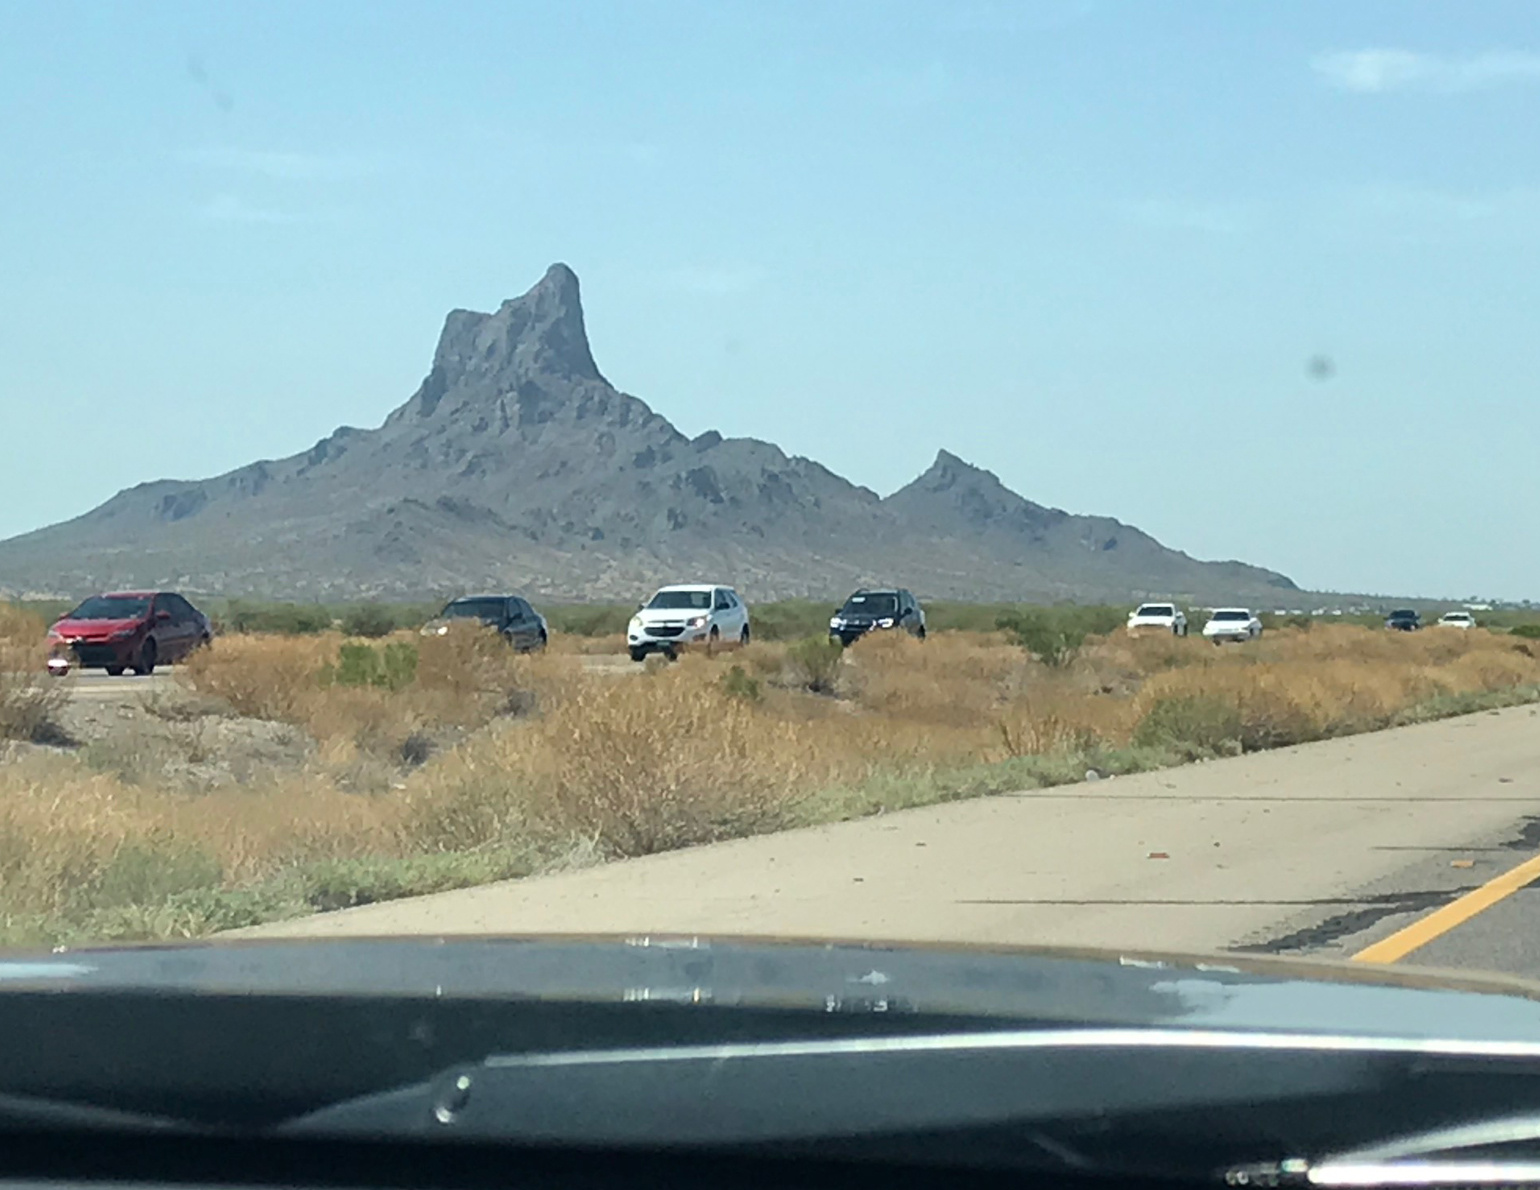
(30, 1112)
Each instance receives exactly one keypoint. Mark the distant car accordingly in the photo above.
(875, 611)
(1166, 617)
(1232, 623)
(1457, 620)
(511, 616)
(123, 630)
(707, 614)
(1405, 620)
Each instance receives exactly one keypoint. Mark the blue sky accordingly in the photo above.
(1091, 246)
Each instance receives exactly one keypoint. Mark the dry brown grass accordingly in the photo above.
(542, 748)
(30, 699)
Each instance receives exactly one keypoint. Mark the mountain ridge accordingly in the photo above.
(515, 462)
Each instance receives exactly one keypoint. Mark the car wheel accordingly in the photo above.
(920, 635)
(541, 641)
(638, 654)
(713, 639)
(115, 671)
(743, 637)
(145, 666)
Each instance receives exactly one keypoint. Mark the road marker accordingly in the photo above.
(1456, 913)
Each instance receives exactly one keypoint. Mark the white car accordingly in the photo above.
(1232, 623)
(1165, 616)
(688, 614)
(1457, 620)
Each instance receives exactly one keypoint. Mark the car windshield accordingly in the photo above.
(681, 601)
(111, 607)
(1403, 615)
(1156, 610)
(1232, 615)
(479, 609)
(877, 604)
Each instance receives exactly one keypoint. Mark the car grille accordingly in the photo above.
(89, 654)
(665, 629)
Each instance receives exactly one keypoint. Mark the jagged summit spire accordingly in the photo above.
(538, 334)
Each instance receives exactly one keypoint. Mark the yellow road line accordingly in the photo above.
(1458, 912)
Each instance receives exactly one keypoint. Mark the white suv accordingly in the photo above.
(1166, 617)
(691, 613)
(1232, 623)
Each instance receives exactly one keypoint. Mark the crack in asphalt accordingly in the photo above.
(1371, 911)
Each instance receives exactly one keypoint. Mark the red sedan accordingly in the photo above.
(122, 630)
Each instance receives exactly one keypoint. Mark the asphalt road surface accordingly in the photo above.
(1326, 850)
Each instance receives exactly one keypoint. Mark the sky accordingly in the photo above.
(1260, 279)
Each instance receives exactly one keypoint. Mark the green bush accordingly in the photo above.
(1192, 725)
(1527, 631)
(141, 872)
(391, 667)
(1053, 643)
(738, 684)
(790, 619)
(815, 663)
(369, 619)
(596, 619)
(289, 619)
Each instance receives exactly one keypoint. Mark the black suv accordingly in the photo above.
(1404, 620)
(868, 611)
(521, 625)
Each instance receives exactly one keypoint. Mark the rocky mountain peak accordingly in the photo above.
(539, 336)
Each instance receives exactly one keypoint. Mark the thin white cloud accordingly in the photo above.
(227, 208)
(284, 166)
(1377, 71)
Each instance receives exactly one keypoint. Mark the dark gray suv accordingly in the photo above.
(521, 625)
(877, 611)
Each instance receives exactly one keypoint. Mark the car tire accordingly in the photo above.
(713, 641)
(115, 671)
(638, 654)
(920, 635)
(145, 665)
(743, 637)
(541, 642)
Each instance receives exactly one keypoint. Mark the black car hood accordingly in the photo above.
(1079, 987)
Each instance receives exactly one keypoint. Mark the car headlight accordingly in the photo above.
(123, 634)
(636, 623)
(885, 622)
(696, 622)
(836, 622)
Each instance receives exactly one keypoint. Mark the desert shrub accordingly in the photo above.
(30, 699)
(370, 620)
(737, 683)
(1053, 643)
(390, 667)
(790, 619)
(814, 662)
(287, 619)
(1192, 725)
(588, 619)
(1527, 631)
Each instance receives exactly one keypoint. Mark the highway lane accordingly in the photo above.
(1322, 850)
